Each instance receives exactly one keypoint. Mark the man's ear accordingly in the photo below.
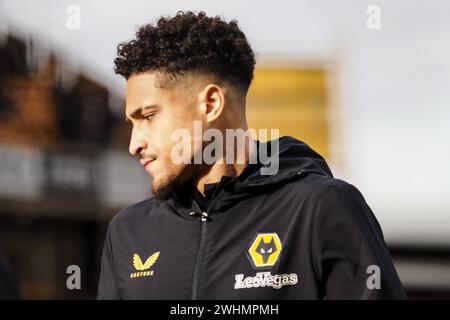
(213, 100)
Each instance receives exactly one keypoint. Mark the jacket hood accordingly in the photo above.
(293, 156)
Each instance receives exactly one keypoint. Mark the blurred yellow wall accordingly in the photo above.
(293, 100)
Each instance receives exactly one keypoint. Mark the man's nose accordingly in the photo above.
(137, 143)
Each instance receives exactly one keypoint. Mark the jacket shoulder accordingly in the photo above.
(332, 197)
(134, 211)
(336, 201)
(317, 185)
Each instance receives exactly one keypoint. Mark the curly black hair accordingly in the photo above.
(189, 43)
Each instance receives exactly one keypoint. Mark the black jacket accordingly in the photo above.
(299, 234)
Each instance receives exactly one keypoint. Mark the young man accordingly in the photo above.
(279, 227)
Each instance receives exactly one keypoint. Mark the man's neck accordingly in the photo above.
(216, 171)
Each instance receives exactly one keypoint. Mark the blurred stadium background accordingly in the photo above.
(375, 103)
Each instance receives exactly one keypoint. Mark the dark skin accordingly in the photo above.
(156, 112)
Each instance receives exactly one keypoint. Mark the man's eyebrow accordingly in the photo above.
(138, 111)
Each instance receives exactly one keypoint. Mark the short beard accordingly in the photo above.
(167, 188)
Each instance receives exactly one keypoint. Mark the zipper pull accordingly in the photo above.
(203, 215)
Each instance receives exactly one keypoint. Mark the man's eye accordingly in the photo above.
(150, 116)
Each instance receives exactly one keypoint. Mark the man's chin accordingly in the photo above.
(165, 188)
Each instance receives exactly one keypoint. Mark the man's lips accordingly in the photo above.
(147, 162)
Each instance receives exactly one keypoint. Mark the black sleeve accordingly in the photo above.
(107, 288)
(350, 254)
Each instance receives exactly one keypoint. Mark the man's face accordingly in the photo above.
(155, 113)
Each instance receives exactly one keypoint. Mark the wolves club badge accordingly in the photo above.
(264, 250)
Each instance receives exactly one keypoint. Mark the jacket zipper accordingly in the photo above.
(204, 218)
(203, 230)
